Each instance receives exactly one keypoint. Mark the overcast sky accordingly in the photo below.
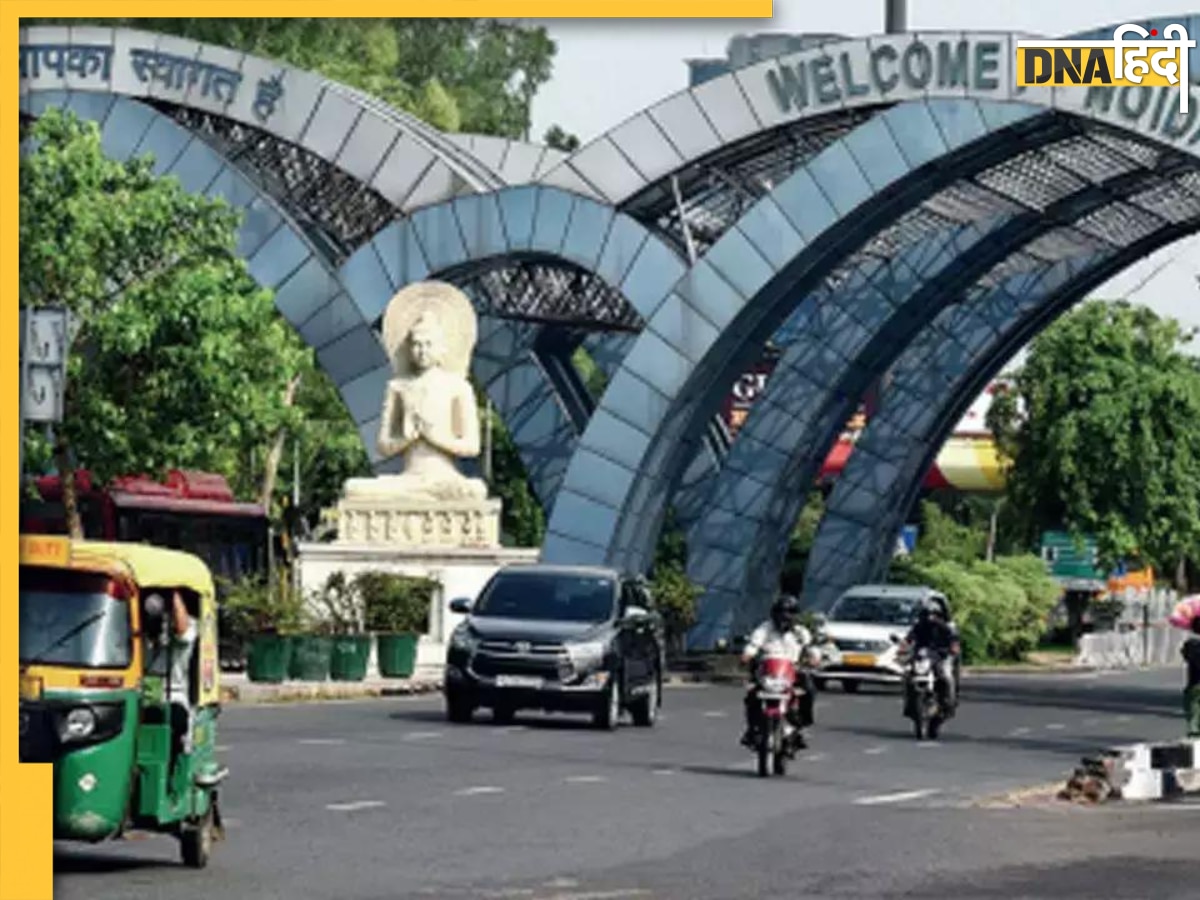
(605, 72)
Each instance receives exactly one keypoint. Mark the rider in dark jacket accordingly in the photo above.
(932, 632)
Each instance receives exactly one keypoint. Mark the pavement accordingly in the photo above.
(383, 799)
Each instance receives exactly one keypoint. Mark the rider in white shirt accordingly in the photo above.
(780, 635)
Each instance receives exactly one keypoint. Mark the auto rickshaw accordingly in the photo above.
(96, 698)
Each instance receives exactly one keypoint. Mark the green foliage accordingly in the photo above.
(395, 604)
(522, 520)
(260, 606)
(801, 542)
(340, 605)
(944, 539)
(1001, 608)
(477, 75)
(593, 376)
(1110, 443)
(559, 139)
(180, 359)
(674, 594)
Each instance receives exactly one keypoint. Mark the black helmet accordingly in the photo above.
(784, 611)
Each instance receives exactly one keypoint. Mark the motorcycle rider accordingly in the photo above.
(932, 632)
(784, 636)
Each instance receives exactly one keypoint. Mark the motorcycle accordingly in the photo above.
(777, 695)
(921, 701)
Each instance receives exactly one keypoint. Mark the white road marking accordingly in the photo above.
(814, 757)
(513, 729)
(716, 714)
(895, 798)
(927, 744)
(584, 779)
(355, 805)
(562, 883)
(875, 751)
(422, 735)
(1017, 732)
(222, 748)
(665, 771)
(231, 823)
(1124, 718)
(1090, 722)
(481, 789)
(601, 895)
(1055, 726)
(321, 742)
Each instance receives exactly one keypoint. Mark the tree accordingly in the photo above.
(559, 139)
(1109, 444)
(180, 360)
(474, 75)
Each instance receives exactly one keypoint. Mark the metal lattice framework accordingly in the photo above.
(716, 191)
(337, 211)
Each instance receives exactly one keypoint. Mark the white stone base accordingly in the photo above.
(461, 572)
(403, 522)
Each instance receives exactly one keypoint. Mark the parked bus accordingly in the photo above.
(192, 511)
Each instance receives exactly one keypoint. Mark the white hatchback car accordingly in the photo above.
(864, 629)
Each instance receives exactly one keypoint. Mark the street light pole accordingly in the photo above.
(895, 16)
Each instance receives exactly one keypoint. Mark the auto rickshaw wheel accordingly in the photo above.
(195, 843)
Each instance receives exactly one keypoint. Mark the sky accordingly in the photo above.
(607, 71)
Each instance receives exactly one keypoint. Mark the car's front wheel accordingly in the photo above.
(459, 707)
(608, 713)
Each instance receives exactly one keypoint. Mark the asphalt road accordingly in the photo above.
(383, 800)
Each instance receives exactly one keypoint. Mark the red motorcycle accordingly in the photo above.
(777, 696)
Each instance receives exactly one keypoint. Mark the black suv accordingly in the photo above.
(561, 639)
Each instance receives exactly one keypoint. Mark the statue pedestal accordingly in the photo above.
(454, 542)
(461, 572)
(402, 522)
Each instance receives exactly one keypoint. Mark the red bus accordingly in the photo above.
(192, 511)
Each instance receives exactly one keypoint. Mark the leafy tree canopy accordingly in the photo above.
(180, 359)
(1109, 443)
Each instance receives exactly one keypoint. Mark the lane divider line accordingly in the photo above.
(900, 797)
(481, 789)
(355, 805)
(321, 742)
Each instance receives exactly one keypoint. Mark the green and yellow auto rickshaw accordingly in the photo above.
(100, 635)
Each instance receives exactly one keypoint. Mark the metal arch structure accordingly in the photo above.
(848, 335)
(339, 163)
(775, 255)
(691, 165)
(466, 239)
(275, 247)
(716, 130)
(918, 412)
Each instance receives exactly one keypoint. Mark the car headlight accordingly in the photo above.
(462, 639)
(76, 725)
(586, 653)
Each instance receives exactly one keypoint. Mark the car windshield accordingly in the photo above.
(549, 596)
(882, 610)
(68, 619)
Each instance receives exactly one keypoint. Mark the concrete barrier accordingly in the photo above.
(1142, 771)
(1157, 645)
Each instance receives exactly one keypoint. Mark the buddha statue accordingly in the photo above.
(429, 414)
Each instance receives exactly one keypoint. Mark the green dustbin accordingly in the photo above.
(397, 655)
(351, 654)
(268, 658)
(310, 658)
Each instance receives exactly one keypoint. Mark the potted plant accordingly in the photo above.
(350, 645)
(312, 651)
(263, 613)
(396, 611)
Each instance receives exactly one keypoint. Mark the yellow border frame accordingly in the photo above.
(26, 847)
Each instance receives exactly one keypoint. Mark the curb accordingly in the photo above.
(303, 692)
